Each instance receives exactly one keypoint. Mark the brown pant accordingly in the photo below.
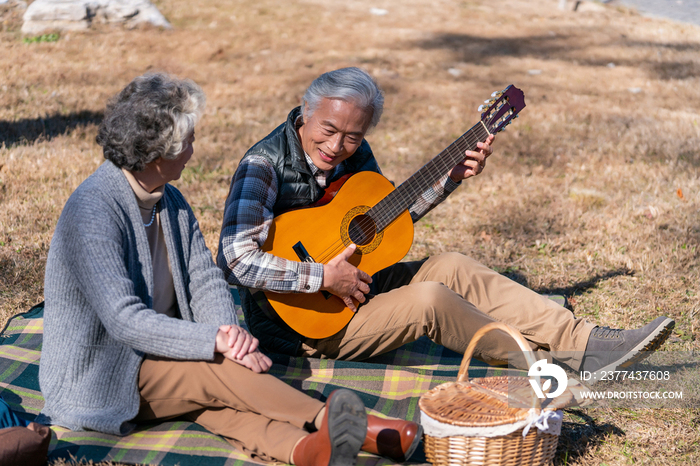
(448, 298)
(257, 413)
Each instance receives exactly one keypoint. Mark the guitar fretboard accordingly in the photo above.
(389, 208)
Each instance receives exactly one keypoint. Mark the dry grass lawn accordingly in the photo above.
(594, 192)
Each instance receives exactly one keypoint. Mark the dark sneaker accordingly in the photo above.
(611, 349)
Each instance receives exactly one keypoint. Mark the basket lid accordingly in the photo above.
(481, 402)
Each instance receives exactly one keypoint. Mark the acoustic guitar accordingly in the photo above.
(366, 209)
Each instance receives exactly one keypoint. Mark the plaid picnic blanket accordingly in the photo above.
(389, 385)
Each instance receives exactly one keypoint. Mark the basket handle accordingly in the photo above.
(463, 375)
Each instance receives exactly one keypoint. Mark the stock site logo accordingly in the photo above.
(543, 369)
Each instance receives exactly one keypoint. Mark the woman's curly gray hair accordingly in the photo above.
(352, 85)
(152, 117)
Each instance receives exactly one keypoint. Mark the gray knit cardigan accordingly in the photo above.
(98, 321)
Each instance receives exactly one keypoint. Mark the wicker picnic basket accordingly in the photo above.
(482, 421)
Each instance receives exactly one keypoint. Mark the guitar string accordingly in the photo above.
(428, 175)
(383, 217)
(380, 217)
(413, 186)
(379, 211)
(436, 168)
(422, 179)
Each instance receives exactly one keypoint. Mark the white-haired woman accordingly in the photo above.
(139, 322)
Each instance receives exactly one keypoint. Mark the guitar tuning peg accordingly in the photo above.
(494, 93)
(480, 109)
(487, 101)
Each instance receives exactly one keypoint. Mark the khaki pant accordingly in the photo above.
(448, 298)
(257, 413)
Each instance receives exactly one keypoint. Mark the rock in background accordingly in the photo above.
(77, 15)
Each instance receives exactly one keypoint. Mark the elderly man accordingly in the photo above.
(447, 297)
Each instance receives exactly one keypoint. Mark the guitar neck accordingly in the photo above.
(389, 208)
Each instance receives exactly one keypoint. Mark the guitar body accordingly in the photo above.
(324, 232)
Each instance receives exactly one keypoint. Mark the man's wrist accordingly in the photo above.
(451, 184)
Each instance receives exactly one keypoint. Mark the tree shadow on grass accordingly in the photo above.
(572, 290)
(30, 130)
(563, 47)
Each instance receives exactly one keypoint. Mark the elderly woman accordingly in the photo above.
(139, 322)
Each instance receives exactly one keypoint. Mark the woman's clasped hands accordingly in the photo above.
(236, 344)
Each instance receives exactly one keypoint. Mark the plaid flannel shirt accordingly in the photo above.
(247, 218)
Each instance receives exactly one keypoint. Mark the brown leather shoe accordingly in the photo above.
(338, 441)
(392, 438)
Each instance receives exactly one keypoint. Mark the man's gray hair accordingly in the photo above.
(152, 117)
(351, 85)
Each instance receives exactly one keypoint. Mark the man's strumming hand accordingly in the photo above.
(344, 280)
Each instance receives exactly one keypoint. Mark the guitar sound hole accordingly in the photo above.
(362, 230)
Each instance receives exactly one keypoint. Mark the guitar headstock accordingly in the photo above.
(502, 108)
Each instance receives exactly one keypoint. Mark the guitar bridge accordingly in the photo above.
(302, 253)
(304, 256)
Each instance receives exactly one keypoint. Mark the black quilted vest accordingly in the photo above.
(296, 188)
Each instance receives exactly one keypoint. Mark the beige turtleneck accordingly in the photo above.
(164, 300)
